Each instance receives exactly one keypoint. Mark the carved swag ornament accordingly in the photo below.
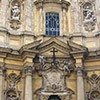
(54, 79)
(94, 93)
(12, 92)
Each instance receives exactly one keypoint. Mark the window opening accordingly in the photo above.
(52, 24)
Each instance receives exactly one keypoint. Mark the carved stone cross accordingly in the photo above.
(54, 55)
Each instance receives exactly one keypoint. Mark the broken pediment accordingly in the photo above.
(63, 49)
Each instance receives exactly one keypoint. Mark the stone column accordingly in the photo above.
(2, 69)
(28, 81)
(64, 26)
(76, 16)
(80, 84)
(3, 16)
(22, 86)
(28, 14)
(97, 5)
(41, 19)
(64, 21)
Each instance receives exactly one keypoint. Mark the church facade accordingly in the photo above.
(49, 49)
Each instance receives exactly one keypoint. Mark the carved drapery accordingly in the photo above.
(12, 92)
(94, 92)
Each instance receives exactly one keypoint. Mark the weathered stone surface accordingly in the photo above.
(40, 67)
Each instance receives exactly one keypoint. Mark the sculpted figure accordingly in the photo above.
(89, 17)
(15, 12)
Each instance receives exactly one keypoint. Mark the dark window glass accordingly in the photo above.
(52, 24)
(54, 97)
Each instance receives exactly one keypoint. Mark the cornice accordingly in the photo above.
(52, 1)
(3, 29)
(63, 3)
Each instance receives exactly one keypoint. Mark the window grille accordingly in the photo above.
(52, 24)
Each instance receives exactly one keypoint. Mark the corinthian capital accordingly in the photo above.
(2, 69)
(28, 68)
(79, 71)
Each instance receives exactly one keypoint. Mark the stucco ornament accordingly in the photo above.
(12, 92)
(53, 78)
(94, 93)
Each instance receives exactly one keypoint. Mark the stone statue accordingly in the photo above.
(89, 17)
(42, 59)
(15, 12)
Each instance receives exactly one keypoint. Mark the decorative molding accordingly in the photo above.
(79, 71)
(63, 3)
(95, 68)
(94, 92)
(15, 14)
(51, 70)
(2, 69)
(12, 92)
(89, 18)
(28, 68)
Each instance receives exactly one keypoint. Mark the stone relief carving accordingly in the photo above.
(94, 93)
(89, 18)
(12, 92)
(53, 78)
(15, 15)
(15, 12)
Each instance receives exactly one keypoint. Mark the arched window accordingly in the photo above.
(52, 24)
(54, 97)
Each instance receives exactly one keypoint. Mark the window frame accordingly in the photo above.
(56, 9)
(52, 33)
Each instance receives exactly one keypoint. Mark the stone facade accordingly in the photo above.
(37, 66)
